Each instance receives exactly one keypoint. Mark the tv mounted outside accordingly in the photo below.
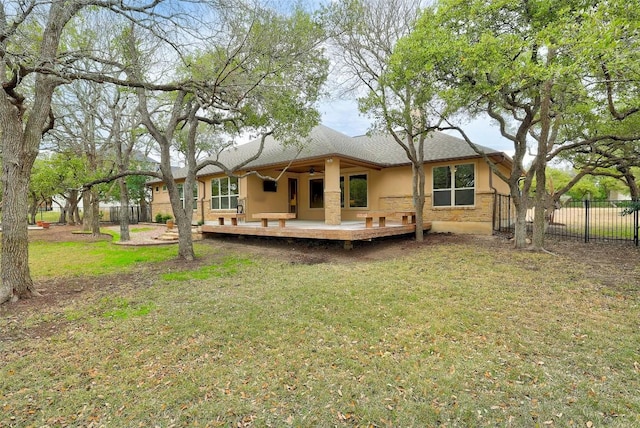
(269, 186)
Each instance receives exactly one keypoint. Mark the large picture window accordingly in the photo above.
(454, 185)
(358, 191)
(224, 193)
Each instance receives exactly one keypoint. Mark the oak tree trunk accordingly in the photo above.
(124, 210)
(520, 204)
(17, 161)
(418, 184)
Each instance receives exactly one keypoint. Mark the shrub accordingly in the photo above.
(162, 218)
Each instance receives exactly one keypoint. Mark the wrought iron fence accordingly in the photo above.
(584, 220)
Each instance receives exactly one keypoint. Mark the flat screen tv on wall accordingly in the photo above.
(269, 186)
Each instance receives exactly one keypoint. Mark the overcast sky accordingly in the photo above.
(343, 116)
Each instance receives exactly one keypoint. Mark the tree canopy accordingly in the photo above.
(556, 76)
(232, 65)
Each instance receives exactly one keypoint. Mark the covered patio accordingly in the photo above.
(347, 231)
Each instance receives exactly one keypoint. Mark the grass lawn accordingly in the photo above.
(49, 260)
(453, 334)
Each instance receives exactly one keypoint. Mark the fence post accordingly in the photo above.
(509, 213)
(586, 220)
(636, 226)
(497, 213)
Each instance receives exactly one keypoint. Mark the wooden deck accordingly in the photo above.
(348, 231)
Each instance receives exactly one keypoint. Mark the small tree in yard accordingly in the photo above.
(42, 186)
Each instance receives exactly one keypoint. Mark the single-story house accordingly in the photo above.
(335, 177)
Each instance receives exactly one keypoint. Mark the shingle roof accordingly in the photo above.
(379, 149)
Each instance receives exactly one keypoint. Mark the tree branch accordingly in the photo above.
(87, 186)
(612, 108)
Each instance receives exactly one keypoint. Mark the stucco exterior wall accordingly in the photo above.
(257, 200)
(305, 212)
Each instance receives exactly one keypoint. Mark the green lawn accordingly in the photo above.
(50, 216)
(448, 335)
(90, 258)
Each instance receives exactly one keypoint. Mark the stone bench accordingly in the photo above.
(281, 217)
(370, 215)
(408, 217)
(232, 216)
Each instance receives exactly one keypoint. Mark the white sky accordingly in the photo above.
(343, 116)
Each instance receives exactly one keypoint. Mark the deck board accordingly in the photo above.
(347, 231)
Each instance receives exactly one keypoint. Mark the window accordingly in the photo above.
(224, 193)
(316, 193)
(341, 192)
(195, 196)
(454, 185)
(358, 191)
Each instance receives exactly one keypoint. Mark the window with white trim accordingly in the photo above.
(224, 193)
(454, 185)
(195, 196)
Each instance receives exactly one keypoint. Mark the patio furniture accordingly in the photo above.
(281, 217)
(232, 216)
(370, 215)
(408, 217)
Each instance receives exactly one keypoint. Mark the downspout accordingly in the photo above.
(204, 194)
(150, 188)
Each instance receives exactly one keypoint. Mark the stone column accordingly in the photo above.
(332, 209)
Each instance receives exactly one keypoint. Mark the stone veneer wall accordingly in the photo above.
(397, 203)
(332, 211)
(482, 212)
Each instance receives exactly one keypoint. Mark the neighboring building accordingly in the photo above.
(619, 195)
(334, 177)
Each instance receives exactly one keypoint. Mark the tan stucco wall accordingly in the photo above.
(261, 201)
(304, 211)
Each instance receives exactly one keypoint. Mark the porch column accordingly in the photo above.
(332, 209)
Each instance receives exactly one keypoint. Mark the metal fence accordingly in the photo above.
(137, 214)
(581, 220)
